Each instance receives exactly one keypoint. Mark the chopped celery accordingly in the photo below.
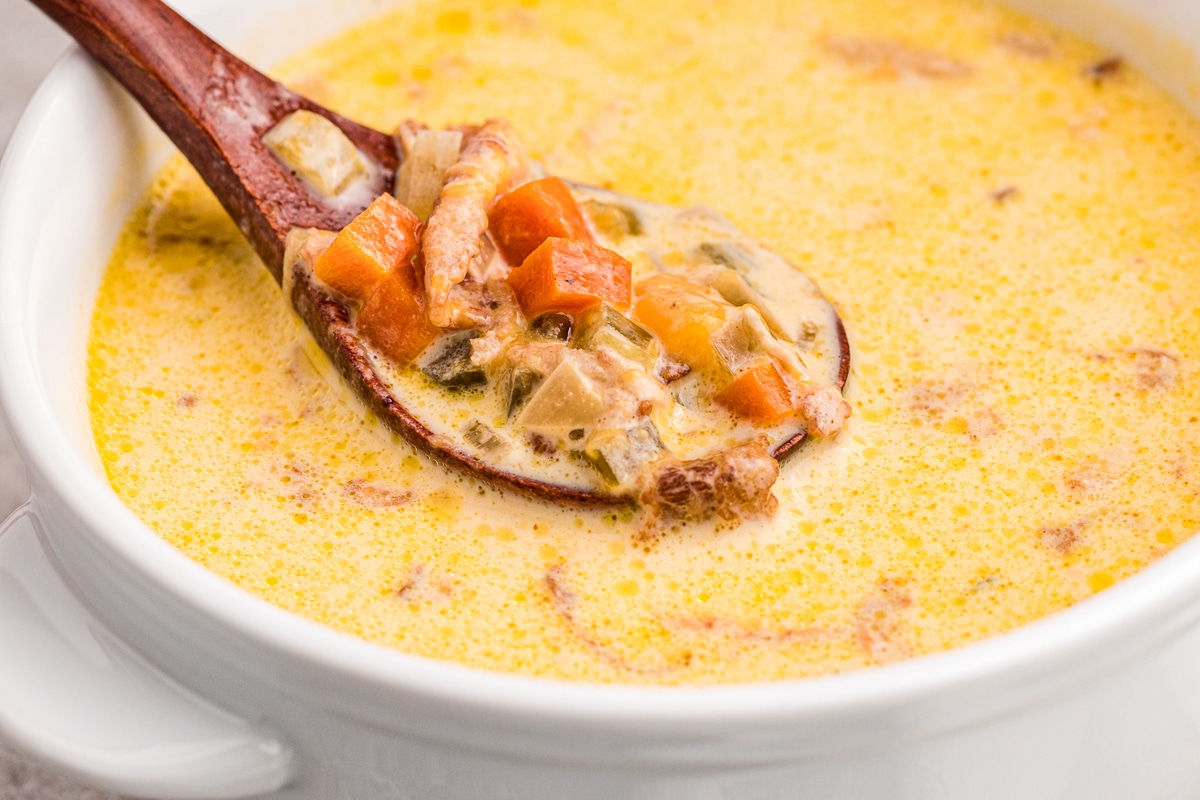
(484, 438)
(604, 326)
(450, 362)
(316, 150)
(520, 383)
(620, 456)
(728, 253)
(613, 221)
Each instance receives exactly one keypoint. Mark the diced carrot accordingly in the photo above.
(568, 275)
(377, 242)
(683, 315)
(529, 215)
(761, 394)
(393, 318)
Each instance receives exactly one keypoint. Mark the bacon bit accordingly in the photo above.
(1025, 44)
(421, 587)
(984, 424)
(1062, 538)
(288, 481)
(938, 402)
(1153, 368)
(1179, 467)
(879, 624)
(1005, 193)
(935, 400)
(374, 496)
(541, 444)
(673, 370)
(1104, 70)
(1098, 473)
(565, 602)
(492, 160)
(187, 400)
(731, 484)
(740, 630)
(890, 59)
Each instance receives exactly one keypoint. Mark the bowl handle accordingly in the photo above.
(74, 696)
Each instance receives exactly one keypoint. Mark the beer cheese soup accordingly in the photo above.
(1004, 217)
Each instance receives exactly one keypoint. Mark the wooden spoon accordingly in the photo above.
(216, 108)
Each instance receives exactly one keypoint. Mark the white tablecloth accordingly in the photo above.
(29, 45)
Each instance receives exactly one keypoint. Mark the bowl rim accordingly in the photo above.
(1099, 633)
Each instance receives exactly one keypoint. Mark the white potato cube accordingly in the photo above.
(419, 183)
(316, 150)
(566, 400)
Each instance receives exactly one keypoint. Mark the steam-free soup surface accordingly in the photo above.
(1006, 220)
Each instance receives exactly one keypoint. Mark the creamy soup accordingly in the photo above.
(1004, 216)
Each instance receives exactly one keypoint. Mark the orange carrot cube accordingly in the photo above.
(529, 215)
(762, 394)
(377, 242)
(393, 318)
(683, 315)
(569, 275)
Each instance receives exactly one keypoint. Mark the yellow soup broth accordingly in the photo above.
(1006, 220)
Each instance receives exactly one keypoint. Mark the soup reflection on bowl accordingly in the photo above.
(1004, 215)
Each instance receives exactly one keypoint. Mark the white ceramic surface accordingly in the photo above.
(132, 668)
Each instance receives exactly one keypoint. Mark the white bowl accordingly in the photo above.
(129, 666)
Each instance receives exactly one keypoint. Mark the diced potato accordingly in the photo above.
(734, 345)
(316, 150)
(421, 176)
(566, 400)
(683, 315)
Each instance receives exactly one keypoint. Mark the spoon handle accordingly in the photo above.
(215, 108)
